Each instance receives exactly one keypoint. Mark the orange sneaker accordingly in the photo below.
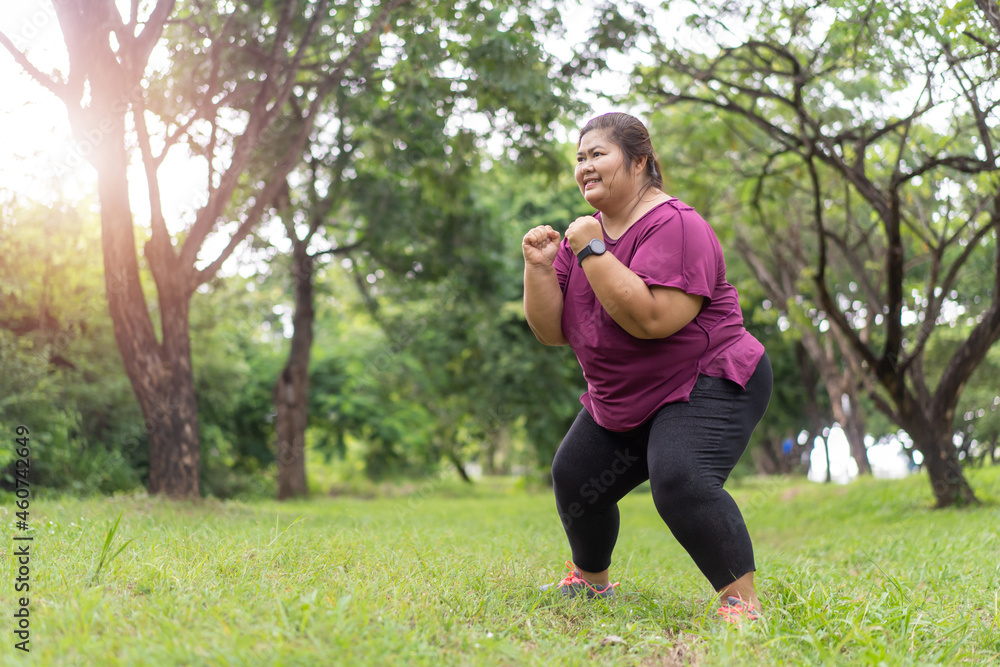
(735, 610)
(574, 585)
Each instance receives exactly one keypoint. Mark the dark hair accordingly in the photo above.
(630, 135)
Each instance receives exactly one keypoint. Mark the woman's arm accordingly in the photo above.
(643, 311)
(543, 298)
(543, 304)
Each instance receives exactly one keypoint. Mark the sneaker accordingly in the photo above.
(735, 610)
(574, 585)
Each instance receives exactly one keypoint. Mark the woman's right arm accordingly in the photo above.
(543, 298)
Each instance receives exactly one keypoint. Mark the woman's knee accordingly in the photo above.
(563, 468)
(675, 495)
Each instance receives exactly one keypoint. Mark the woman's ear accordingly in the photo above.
(641, 165)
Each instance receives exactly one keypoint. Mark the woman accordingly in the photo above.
(675, 384)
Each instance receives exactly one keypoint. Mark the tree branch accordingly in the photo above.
(58, 88)
(267, 105)
(970, 95)
(973, 349)
(341, 250)
(788, 139)
(992, 11)
(160, 236)
(210, 213)
(143, 45)
(133, 16)
(256, 213)
(205, 106)
(951, 276)
(884, 406)
(826, 299)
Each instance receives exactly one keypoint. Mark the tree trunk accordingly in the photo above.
(490, 448)
(174, 440)
(947, 479)
(847, 413)
(807, 373)
(765, 460)
(291, 391)
(854, 430)
(455, 461)
(854, 417)
(826, 456)
(160, 372)
(840, 384)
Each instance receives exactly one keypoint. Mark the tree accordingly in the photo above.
(886, 117)
(385, 183)
(207, 98)
(442, 369)
(797, 413)
(828, 352)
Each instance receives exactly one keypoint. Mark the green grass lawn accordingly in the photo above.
(863, 574)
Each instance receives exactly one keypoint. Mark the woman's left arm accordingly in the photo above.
(643, 311)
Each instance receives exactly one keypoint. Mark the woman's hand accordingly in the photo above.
(582, 231)
(540, 246)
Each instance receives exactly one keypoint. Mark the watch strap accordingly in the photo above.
(587, 251)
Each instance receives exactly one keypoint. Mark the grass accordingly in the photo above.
(865, 574)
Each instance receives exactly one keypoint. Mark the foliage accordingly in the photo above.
(448, 369)
(60, 374)
(236, 338)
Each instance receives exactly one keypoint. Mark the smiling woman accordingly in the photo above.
(675, 384)
(615, 162)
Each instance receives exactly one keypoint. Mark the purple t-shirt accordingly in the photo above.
(629, 378)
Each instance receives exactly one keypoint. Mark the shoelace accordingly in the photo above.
(735, 610)
(574, 578)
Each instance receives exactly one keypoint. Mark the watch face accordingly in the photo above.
(597, 245)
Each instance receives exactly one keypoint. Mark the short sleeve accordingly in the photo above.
(563, 263)
(680, 252)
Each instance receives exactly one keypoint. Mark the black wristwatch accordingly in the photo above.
(595, 247)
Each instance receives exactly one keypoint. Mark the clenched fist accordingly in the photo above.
(540, 246)
(582, 231)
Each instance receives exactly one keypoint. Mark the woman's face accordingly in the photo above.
(601, 173)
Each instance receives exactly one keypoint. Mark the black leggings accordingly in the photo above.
(686, 451)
